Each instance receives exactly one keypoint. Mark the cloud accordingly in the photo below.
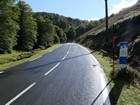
(122, 4)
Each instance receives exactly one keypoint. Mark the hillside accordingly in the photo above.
(125, 27)
(61, 20)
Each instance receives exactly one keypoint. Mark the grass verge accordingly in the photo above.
(122, 92)
(10, 60)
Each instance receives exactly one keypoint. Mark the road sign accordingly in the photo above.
(123, 55)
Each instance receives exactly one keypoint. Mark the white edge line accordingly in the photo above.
(57, 48)
(20, 94)
(97, 63)
(103, 82)
(36, 58)
(50, 51)
(103, 85)
(52, 69)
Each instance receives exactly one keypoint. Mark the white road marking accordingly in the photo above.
(52, 69)
(36, 58)
(1, 72)
(69, 48)
(64, 57)
(68, 52)
(20, 94)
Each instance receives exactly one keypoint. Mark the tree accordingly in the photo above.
(92, 24)
(56, 39)
(28, 27)
(8, 25)
(61, 34)
(81, 30)
(71, 34)
(46, 40)
(45, 32)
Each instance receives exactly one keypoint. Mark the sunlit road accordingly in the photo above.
(69, 75)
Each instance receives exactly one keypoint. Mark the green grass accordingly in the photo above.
(121, 17)
(10, 60)
(130, 95)
(105, 62)
(122, 93)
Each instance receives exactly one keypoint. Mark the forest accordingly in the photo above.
(23, 30)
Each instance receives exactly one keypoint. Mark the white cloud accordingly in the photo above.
(122, 4)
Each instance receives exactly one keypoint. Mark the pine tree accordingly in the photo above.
(8, 25)
(28, 27)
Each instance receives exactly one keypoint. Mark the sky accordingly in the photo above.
(81, 9)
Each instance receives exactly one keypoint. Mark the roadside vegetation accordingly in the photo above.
(10, 60)
(23, 30)
(123, 26)
(125, 84)
(24, 34)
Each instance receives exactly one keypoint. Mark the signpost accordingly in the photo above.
(123, 55)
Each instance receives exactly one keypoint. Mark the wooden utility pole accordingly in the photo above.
(113, 55)
(106, 11)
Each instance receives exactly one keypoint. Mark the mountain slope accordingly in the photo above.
(125, 27)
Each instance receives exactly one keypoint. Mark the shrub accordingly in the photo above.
(129, 75)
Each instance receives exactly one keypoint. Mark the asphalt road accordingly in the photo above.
(69, 75)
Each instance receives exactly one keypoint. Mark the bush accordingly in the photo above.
(129, 75)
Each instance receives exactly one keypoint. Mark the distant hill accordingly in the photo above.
(60, 20)
(125, 26)
(72, 27)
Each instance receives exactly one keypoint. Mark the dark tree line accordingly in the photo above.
(73, 28)
(21, 29)
(8, 25)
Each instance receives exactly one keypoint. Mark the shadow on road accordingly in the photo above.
(93, 103)
(11, 71)
(116, 91)
(114, 94)
(58, 61)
